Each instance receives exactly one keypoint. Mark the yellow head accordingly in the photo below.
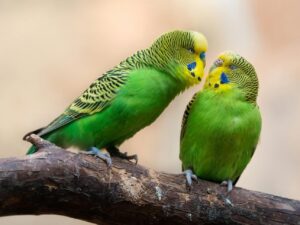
(231, 70)
(182, 54)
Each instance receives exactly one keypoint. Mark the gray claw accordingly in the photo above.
(189, 176)
(105, 156)
(229, 185)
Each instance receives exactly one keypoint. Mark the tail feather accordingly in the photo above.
(31, 150)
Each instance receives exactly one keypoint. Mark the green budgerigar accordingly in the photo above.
(130, 96)
(222, 123)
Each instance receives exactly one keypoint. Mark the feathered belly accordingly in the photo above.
(220, 139)
(137, 105)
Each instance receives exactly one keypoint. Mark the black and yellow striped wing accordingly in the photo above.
(99, 95)
(186, 115)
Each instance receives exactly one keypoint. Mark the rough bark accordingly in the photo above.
(55, 181)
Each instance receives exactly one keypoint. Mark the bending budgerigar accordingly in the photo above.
(222, 123)
(130, 96)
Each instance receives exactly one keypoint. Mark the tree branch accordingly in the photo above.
(54, 181)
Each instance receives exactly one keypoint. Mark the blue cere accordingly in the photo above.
(224, 79)
(191, 66)
(202, 55)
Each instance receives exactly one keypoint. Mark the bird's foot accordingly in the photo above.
(229, 185)
(102, 154)
(116, 152)
(189, 176)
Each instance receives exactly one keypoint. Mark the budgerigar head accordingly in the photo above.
(181, 54)
(231, 70)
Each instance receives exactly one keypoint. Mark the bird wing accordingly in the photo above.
(186, 115)
(98, 96)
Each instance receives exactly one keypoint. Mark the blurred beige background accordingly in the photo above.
(50, 51)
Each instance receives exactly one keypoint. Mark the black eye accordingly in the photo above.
(233, 67)
(191, 50)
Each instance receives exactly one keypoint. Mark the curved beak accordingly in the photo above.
(213, 76)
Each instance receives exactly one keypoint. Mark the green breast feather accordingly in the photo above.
(221, 134)
(131, 95)
(222, 123)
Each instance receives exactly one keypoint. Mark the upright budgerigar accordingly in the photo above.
(130, 96)
(222, 123)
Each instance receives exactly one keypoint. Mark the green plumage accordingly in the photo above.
(127, 98)
(222, 123)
